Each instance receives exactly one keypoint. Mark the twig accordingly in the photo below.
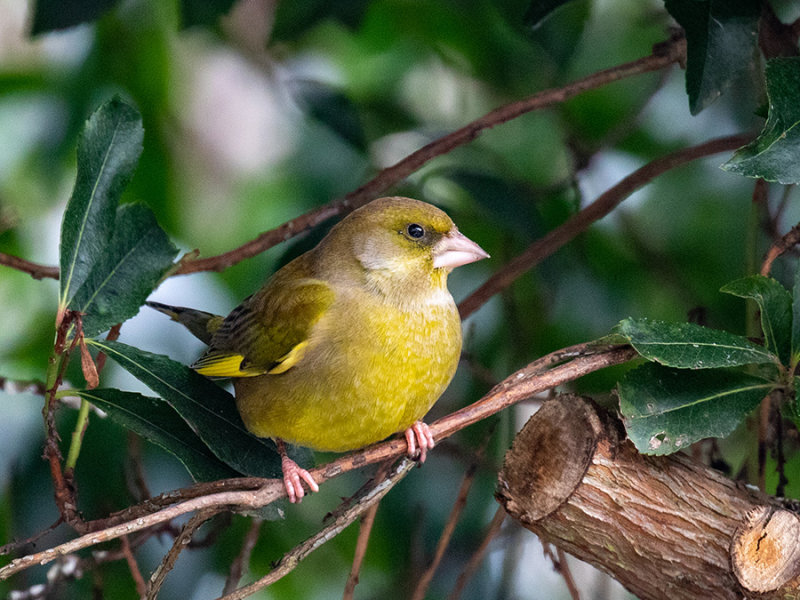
(518, 386)
(477, 557)
(602, 206)
(560, 561)
(133, 567)
(35, 270)
(180, 542)
(664, 55)
(452, 520)
(790, 239)
(364, 530)
(292, 558)
(243, 558)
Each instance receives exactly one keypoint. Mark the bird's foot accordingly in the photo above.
(294, 476)
(419, 439)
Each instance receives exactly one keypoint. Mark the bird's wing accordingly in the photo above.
(268, 333)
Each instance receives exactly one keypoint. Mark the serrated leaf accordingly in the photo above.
(775, 304)
(775, 154)
(666, 409)
(137, 256)
(157, 421)
(721, 38)
(60, 14)
(108, 151)
(690, 346)
(209, 409)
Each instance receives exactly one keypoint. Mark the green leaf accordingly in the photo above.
(721, 38)
(203, 12)
(333, 109)
(124, 275)
(690, 346)
(60, 14)
(796, 317)
(108, 151)
(209, 409)
(157, 421)
(775, 304)
(775, 154)
(539, 10)
(667, 409)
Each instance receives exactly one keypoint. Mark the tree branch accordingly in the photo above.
(519, 386)
(35, 270)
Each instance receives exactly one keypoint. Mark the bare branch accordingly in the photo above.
(477, 557)
(35, 270)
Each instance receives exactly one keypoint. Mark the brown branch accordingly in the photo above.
(519, 386)
(367, 521)
(292, 558)
(35, 270)
(133, 567)
(789, 240)
(477, 558)
(242, 559)
(580, 222)
(672, 51)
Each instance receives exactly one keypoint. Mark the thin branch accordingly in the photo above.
(35, 270)
(515, 388)
(127, 552)
(364, 531)
(178, 545)
(452, 520)
(242, 559)
(672, 51)
(580, 222)
(477, 557)
(292, 558)
(789, 240)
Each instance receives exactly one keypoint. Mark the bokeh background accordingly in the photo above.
(275, 108)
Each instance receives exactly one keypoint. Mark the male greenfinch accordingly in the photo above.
(348, 343)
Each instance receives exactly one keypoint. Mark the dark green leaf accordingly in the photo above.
(775, 304)
(157, 421)
(561, 32)
(60, 14)
(667, 409)
(721, 38)
(690, 346)
(108, 151)
(775, 154)
(203, 12)
(207, 407)
(124, 275)
(333, 109)
(539, 10)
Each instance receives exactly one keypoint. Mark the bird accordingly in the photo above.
(350, 342)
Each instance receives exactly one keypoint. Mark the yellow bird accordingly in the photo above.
(349, 343)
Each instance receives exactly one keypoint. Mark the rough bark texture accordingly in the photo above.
(666, 527)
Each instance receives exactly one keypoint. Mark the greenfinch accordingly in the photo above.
(348, 343)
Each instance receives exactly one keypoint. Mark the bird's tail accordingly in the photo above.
(201, 324)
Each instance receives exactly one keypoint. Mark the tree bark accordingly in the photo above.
(666, 527)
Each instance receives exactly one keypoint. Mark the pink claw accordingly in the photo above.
(419, 434)
(294, 476)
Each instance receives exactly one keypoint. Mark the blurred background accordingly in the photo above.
(274, 108)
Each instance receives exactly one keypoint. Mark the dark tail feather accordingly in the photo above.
(201, 324)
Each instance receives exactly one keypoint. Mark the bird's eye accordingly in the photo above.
(415, 230)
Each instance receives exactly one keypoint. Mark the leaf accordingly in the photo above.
(138, 255)
(209, 409)
(203, 12)
(690, 346)
(721, 38)
(157, 421)
(60, 14)
(108, 151)
(796, 317)
(775, 304)
(539, 10)
(333, 109)
(775, 154)
(667, 409)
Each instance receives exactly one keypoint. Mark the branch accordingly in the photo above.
(580, 222)
(663, 55)
(519, 386)
(665, 527)
(35, 270)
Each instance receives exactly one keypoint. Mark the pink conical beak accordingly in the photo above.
(456, 249)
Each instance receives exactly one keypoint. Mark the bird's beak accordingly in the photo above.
(456, 249)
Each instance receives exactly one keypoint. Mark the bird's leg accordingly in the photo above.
(294, 475)
(419, 434)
